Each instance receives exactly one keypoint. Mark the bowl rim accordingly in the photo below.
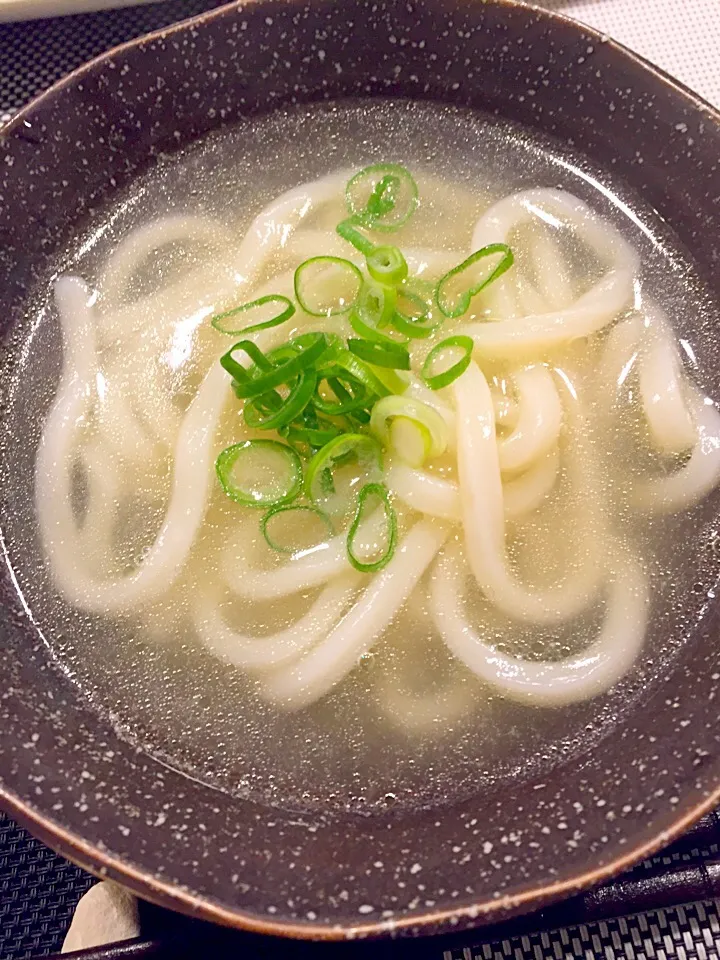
(105, 865)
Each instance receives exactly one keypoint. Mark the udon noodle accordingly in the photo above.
(548, 340)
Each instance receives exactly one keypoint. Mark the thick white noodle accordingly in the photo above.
(429, 713)
(437, 497)
(53, 476)
(540, 420)
(103, 490)
(537, 334)
(530, 300)
(303, 571)
(327, 663)
(551, 683)
(483, 518)
(327, 560)
(273, 227)
(134, 249)
(551, 269)
(534, 415)
(264, 652)
(620, 357)
(644, 343)
(663, 388)
(701, 474)
(117, 424)
(210, 289)
(507, 410)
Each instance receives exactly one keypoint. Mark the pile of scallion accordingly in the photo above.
(336, 404)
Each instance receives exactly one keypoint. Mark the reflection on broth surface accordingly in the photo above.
(439, 566)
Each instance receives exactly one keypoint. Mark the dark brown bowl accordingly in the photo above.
(122, 814)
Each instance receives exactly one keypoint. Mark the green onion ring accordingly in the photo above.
(394, 356)
(463, 303)
(303, 283)
(219, 321)
(381, 200)
(418, 326)
(262, 413)
(387, 265)
(303, 352)
(236, 370)
(373, 490)
(347, 229)
(229, 458)
(320, 468)
(287, 508)
(387, 181)
(362, 372)
(440, 380)
(347, 400)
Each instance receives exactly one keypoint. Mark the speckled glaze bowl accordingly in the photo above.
(173, 840)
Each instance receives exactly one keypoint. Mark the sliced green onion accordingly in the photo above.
(342, 276)
(391, 355)
(359, 417)
(362, 372)
(311, 437)
(410, 440)
(259, 473)
(302, 353)
(311, 431)
(388, 409)
(384, 195)
(270, 411)
(393, 381)
(387, 265)
(381, 200)
(438, 380)
(369, 492)
(374, 311)
(282, 309)
(284, 511)
(413, 317)
(350, 394)
(353, 457)
(457, 288)
(348, 230)
(236, 370)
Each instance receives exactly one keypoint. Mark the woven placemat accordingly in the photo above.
(39, 890)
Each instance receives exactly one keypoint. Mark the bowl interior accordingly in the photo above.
(112, 807)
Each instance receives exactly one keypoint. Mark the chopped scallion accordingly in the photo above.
(259, 473)
(394, 356)
(275, 308)
(388, 409)
(327, 286)
(457, 288)
(387, 265)
(436, 381)
(384, 195)
(369, 493)
(275, 523)
(323, 476)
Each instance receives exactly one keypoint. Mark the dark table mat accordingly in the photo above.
(39, 889)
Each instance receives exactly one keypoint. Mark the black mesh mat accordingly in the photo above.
(38, 893)
(34, 55)
(39, 890)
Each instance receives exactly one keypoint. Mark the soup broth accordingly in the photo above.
(545, 545)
